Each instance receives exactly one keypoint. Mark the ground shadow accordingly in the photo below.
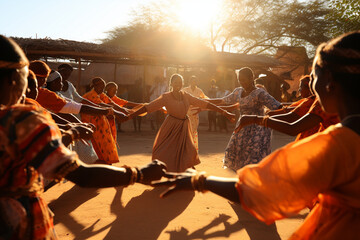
(146, 216)
(256, 229)
(68, 202)
(205, 233)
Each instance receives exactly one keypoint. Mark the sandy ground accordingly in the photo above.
(137, 212)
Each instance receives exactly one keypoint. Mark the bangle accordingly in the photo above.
(198, 182)
(264, 121)
(133, 174)
(140, 175)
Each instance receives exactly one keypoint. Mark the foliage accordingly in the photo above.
(344, 16)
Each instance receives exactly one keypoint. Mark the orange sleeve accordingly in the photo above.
(50, 100)
(289, 179)
(304, 107)
(119, 101)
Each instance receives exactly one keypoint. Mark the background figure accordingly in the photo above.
(285, 96)
(221, 120)
(193, 116)
(174, 142)
(155, 91)
(136, 94)
(212, 115)
(84, 151)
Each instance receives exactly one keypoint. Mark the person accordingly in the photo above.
(324, 166)
(252, 143)
(195, 91)
(68, 90)
(221, 120)
(212, 115)
(305, 120)
(35, 151)
(104, 140)
(53, 102)
(305, 93)
(285, 95)
(136, 94)
(155, 91)
(111, 89)
(174, 143)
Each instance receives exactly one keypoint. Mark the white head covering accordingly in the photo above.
(53, 76)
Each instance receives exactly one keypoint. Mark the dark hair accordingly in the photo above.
(11, 56)
(40, 68)
(65, 65)
(110, 84)
(341, 57)
(247, 72)
(96, 80)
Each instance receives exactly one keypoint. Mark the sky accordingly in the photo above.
(79, 20)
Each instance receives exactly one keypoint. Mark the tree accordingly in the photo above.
(344, 16)
(255, 26)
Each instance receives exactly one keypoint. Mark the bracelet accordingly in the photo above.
(133, 174)
(264, 121)
(198, 182)
(140, 175)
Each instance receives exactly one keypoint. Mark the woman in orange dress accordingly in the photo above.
(103, 140)
(111, 90)
(324, 166)
(174, 142)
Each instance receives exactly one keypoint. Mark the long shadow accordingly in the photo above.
(146, 216)
(183, 233)
(255, 228)
(68, 202)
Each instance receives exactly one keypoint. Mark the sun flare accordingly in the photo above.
(198, 14)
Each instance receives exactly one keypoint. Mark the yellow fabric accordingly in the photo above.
(325, 166)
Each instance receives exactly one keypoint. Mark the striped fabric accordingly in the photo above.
(30, 149)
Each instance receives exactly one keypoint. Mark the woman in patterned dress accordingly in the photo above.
(252, 143)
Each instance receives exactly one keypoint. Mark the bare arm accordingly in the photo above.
(291, 128)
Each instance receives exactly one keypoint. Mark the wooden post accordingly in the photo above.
(115, 72)
(79, 77)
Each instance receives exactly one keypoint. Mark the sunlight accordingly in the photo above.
(198, 14)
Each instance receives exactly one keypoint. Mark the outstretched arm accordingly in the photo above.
(99, 176)
(191, 180)
(304, 123)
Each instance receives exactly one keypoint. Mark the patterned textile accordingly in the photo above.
(324, 166)
(30, 149)
(251, 143)
(103, 141)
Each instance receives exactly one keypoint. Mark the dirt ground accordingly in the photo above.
(137, 212)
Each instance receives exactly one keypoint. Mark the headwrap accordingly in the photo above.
(53, 76)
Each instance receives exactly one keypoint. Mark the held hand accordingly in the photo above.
(121, 117)
(83, 131)
(176, 182)
(244, 121)
(153, 171)
(230, 116)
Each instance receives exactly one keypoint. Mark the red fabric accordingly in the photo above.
(50, 100)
